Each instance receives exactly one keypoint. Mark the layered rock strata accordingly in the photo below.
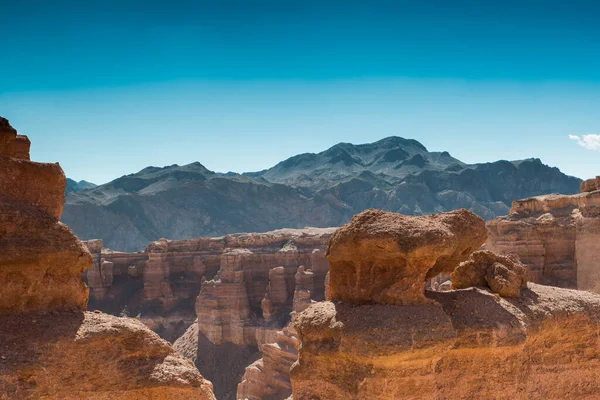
(269, 376)
(555, 236)
(245, 305)
(459, 344)
(471, 344)
(50, 347)
(160, 285)
(41, 260)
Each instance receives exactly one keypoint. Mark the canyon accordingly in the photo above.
(236, 297)
(160, 286)
(498, 337)
(387, 306)
(227, 300)
(321, 190)
(50, 346)
(556, 236)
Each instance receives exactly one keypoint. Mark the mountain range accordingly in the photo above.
(322, 189)
(74, 186)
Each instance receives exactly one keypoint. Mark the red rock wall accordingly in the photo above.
(555, 236)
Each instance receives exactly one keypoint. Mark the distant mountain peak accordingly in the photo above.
(74, 186)
(397, 141)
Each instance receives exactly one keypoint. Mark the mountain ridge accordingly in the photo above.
(310, 189)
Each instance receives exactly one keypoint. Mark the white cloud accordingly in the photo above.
(591, 142)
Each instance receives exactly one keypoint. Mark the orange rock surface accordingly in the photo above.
(383, 257)
(87, 355)
(555, 236)
(41, 260)
(459, 344)
(245, 305)
(471, 344)
(590, 185)
(504, 275)
(49, 347)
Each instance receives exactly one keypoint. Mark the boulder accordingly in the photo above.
(385, 258)
(590, 185)
(87, 355)
(504, 275)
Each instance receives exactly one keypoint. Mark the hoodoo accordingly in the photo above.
(244, 308)
(51, 347)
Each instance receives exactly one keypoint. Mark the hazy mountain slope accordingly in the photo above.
(74, 186)
(323, 189)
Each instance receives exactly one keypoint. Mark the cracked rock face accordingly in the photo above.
(505, 275)
(555, 236)
(41, 260)
(385, 258)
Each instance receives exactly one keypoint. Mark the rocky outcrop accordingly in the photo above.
(276, 296)
(471, 344)
(269, 377)
(590, 185)
(50, 347)
(381, 257)
(460, 344)
(304, 290)
(504, 275)
(245, 305)
(555, 236)
(41, 260)
(222, 307)
(161, 284)
(87, 355)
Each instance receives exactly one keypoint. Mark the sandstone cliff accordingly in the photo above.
(243, 306)
(50, 347)
(460, 344)
(556, 236)
(160, 285)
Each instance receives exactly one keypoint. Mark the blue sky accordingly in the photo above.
(107, 88)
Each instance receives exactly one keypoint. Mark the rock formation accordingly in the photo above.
(222, 307)
(49, 346)
(504, 275)
(555, 236)
(468, 343)
(41, 260)
(381, 257)
(243, 309)
(13, 145)
(160, 285)
(590, 185)
(269, 376)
